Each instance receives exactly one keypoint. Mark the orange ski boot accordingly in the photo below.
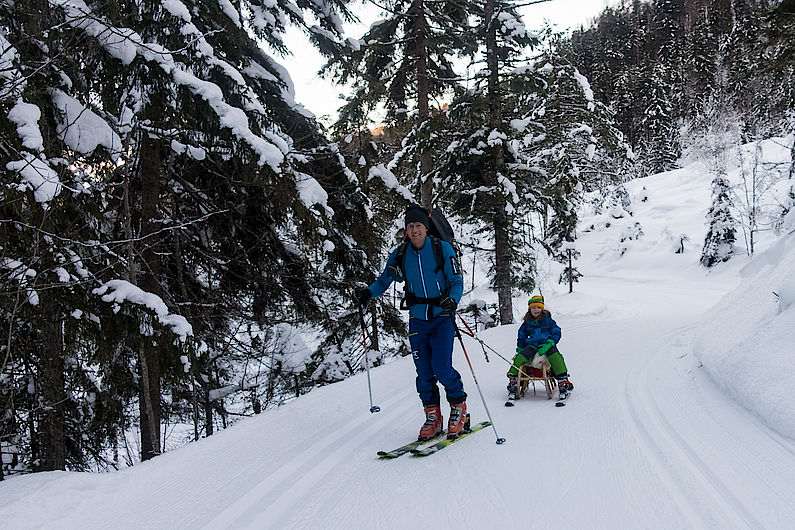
(459, 420)
(433, 423)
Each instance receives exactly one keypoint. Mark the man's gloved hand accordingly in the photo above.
(448, 304)
(363, 296)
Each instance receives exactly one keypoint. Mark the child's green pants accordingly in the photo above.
(555, 360)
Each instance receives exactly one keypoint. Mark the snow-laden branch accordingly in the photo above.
(34, 170)
(390, 181)
(220, 393)
(21, 273)
(120, 291)
(38, 176)
(26, 117)
(12, 80)
(81, 129)
(125, 44)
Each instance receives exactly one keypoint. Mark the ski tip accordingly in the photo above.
(560, 404)
(509, 403)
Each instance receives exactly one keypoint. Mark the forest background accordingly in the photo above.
(179, 239)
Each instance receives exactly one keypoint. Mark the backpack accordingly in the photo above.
(439, 230)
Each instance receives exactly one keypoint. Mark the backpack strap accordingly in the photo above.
(400, 257)
(438, 253)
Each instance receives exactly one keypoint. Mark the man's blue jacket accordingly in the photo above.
(422, 279)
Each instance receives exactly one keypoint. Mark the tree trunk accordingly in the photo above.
(423, 114)
(48, 419)
(502, 246)
(52, 441)
(150, 171)
(208, 414)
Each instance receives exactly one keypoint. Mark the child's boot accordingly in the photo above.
(564, 385)
(513, 386)
(433, 423)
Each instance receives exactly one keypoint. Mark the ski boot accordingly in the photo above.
(513, 386)
(433, 423)
(459, 420)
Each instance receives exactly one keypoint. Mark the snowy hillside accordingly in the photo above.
(683, 413)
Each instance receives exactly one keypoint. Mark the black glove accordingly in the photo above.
(448, 304)
(363, 296)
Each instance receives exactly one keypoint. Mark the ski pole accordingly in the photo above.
(373, 408)
(483, 343)
(500, 441)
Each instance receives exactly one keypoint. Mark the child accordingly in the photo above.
(538, 334)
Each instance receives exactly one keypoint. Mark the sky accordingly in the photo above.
(682, 415)
(321, 97)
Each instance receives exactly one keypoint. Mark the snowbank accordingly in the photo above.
(747, 342)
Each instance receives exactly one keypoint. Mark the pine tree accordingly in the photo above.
(700, 64)
(556, 141)
(579, 149)
(475, 165)
(777, 66)
(660, 145)
(403, 62)
(720, 238)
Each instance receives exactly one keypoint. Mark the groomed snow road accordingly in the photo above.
(645, 441)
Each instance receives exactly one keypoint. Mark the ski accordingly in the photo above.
(403, 449)
(441, 444)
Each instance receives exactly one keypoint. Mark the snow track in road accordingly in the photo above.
(265, 503)
(689, 449)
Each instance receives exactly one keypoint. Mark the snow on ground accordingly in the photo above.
(747, 341)
(681, 417)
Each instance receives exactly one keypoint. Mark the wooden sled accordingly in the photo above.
(538, 369)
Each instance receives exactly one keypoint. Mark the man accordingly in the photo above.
(434, 288)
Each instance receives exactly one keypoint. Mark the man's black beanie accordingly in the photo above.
(417, 214)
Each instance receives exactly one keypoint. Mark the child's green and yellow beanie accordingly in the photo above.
(536, 301)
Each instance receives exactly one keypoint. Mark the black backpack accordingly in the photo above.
(439, 230)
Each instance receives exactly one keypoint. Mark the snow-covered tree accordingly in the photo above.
(156, 170)
(556, 141)
(401, 64)
(720, 238)
(660, 143)
(573, 140)
(473, 166)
